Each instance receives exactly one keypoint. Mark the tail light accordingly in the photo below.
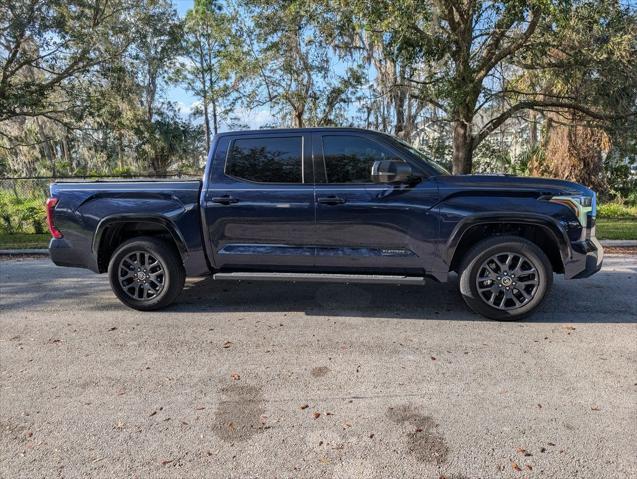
(50, 206)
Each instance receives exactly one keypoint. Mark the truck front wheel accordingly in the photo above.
(505, 277)
(146, 273)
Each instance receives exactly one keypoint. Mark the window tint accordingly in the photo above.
(349, 159)
(266, 160)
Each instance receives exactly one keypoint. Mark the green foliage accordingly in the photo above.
(21, 215)
(622, 184)
(616, 211)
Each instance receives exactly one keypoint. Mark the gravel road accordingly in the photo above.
(247, 380)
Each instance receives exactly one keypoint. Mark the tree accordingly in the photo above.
(48, 48)
(602, 75)
(211, 50)
(291, 64)
(469, 50)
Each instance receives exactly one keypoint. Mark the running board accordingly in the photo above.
(321, 278)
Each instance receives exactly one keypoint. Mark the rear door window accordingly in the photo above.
(266, 159)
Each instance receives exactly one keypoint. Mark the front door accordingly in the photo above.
(364, 226)
(259, 205)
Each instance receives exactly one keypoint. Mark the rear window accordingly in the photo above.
(266, 160)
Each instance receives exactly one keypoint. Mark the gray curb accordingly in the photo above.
(620, 243)
(31, 252)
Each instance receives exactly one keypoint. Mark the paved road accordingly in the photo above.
(276, 380)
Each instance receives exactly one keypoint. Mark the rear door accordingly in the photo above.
(367, 226)
(259, 205)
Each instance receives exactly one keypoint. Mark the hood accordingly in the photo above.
(522, 184)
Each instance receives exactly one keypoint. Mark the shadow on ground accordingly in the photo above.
(608, 297)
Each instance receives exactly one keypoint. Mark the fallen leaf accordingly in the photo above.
(520, 450)
(329, 413)
(569, 328)
(317, 415)
(529, 467)
(550, 444)
(305, 406)
(200, 408)
(152, 414)
(166, 461)
(418, 430)
(515, 467)
(227, 344)
(433, 358)
(235, 376)
(540, 406)
(542, 449)
(371, 436)
(595, 408)
(113, 328)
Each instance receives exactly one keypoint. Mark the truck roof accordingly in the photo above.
(300, 130)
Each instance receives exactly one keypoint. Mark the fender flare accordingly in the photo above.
(109, 221)
(549, 224)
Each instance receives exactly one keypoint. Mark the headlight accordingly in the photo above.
(581, 206)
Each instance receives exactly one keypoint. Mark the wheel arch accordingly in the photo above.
(114, 230)
(541, 230)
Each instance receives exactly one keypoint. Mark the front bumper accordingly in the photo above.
(586, 259)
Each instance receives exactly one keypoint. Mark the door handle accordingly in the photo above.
(224, 200)
(331, 200)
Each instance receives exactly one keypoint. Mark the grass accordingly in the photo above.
(24, 240)
(617, 229)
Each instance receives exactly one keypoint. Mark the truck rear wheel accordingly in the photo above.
(146, 273)
(505, 277)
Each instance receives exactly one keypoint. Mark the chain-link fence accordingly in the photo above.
(22, 199)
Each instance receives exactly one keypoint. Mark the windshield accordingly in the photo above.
(421, 156)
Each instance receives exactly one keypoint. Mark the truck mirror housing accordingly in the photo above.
(391, 171)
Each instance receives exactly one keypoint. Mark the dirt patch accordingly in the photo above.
(423, 441)
(319, 371)
(623, 250)
(239, 414)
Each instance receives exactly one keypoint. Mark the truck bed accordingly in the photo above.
(86, 209)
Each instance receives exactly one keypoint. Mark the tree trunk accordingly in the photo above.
(46, 144)
(215, 120)
(462, 148)
(206, 122)
(298, 118)
(533, 128)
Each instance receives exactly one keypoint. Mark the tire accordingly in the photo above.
(485, 278)
(146, 273)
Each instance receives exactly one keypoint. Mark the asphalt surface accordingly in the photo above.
(249, 380)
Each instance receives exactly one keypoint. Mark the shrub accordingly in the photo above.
(616, 210)
(21, 215)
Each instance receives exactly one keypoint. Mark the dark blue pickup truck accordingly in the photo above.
(328, 204)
